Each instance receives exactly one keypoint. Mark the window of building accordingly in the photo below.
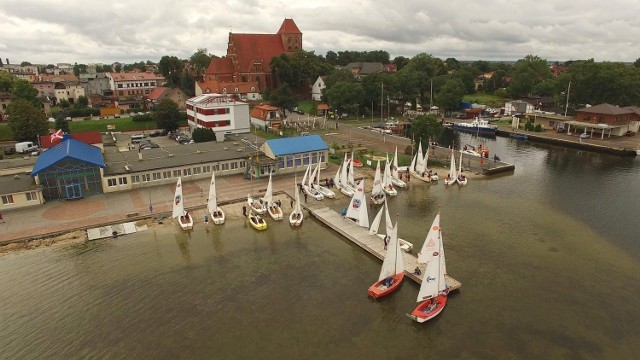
(32, 196)
(206, 169)
(7, 199)
(157, 176)
(122, 180)
(225, 167)
(305, 159)
(146, 177)
(234, 165)
(197, 170)
(289, 161)
(135, 179)
(166, 174)
(119, 86)
(243, 164)
(298, 160)
(281, 162)
(186, 172)
(112, 182)
(216, 167)
(177, 173)
(314, 158)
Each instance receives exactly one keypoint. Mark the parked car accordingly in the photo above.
(148, 145)
(158, 133)
(9, 151)
(585, 135)
(561, 130)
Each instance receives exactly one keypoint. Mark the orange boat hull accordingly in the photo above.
(378, 289)
(422, 313)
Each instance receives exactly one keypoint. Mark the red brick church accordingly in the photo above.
(248, 55)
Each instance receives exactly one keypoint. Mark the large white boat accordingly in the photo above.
(477, 126)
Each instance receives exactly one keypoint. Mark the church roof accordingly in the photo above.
(289, 27)
(251, 48)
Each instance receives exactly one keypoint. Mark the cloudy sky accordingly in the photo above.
(92, 31)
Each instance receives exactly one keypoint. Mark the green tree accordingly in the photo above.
(26, 121)
(344, 96)
(167, 115)
(200, 61)
(299, 69)
(117, 68)
(6, 81)
(283, 98)
(527, 73)
(637, 63)
(79, 69)
(425, 127)
(452, 64)
(82, 102)
(23, 90)
(25, 63)
(203, 135)
(450, 95)
(400, 62)
(171, 68)
(64, 103)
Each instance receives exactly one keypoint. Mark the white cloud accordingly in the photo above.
(96, 31)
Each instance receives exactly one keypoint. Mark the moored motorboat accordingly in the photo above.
(477, 126)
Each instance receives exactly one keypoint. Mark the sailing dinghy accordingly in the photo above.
(185, 220)
(387, 184)
(325, 191)
(272, 208)
(461, 179)
(452, 177)
(216, 213)
(392, 271)
(296, 216)
(395, 176)
(357, 210)
(433, 290)
(377, 194)
(307, 181)
(375, 226)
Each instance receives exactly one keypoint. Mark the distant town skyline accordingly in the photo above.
(121, 31)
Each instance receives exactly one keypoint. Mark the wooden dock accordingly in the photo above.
(371, 243)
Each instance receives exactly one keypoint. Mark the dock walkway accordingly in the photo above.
(371, 243)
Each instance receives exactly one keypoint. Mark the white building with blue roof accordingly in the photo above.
(294, 154)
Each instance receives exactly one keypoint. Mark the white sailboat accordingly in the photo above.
(185, 220)
(216, 213)
(351, 180)
(418, 168)
(377, 194)
(461, 179)
(296, 216)
(307, 184)
(433, 290)
(387, 184)
(375, 226)
(392, 271)
(395, 176)
(452, 177)
(345, 187)
(272, 208)
(357, 210)
(325, 191)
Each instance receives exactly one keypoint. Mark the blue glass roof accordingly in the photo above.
(68, 148)
(296, 145)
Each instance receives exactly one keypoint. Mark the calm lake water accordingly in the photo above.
(549, 259)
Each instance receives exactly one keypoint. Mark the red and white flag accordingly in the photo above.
(56, 135)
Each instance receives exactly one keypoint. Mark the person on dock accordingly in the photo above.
(292, 203)
(1, 218)
(386, 240)
(244, 211)
(305, 197)
(417, 271)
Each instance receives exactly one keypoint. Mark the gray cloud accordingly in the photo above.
(125, 31)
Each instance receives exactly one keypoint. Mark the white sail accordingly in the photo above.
(304, 178)
(373, 229)
(297, 206)
(392, 263)
(336, 179)
(386, 178)
(431, 243)
(312, 177)
(377, 181)
(316, 174)
(358, 207)
(178, 200)
(344, 176)
(420, 161)
(350, 175)
(212, 203)
(394, 169)
(268, 195)
(424, 169)
(452, 167)
(433, 281)
(413, 163)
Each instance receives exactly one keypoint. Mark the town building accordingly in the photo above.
(45, 88)
(294, 154)
(160, 93)
(58, 78)
(88, 137)
(17, 188)
(69, 170)
(362, 69)
(317, 87)
(95, 84)
(605, 120)
(246, 91)
(221, 113)
(266, 117)
(68, 90)
(248, 56)
(5, 100)
(133, 84)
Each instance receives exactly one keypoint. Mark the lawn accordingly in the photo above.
(5, 133)
(485, 99)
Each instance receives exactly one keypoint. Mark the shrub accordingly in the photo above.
(538, 128)
(142, 118)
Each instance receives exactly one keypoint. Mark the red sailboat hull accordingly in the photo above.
(378, 289)
(422, 313)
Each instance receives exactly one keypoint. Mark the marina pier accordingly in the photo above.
(371, 243)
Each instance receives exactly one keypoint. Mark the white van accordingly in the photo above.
(136, 138)
(26, 147)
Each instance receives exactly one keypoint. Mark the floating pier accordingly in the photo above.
(371, 243)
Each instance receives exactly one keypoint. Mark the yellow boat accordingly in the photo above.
(257, 222)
